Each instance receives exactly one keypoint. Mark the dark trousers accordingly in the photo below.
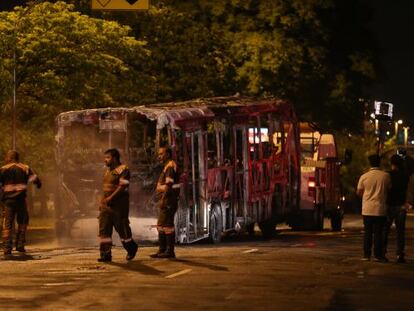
(398, 215)
(166, 215)
(111, 218)
(374, 229)
(15, 209)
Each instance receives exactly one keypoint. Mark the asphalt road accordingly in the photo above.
(293, 271)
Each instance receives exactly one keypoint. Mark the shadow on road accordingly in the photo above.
(202, 265)
(137, 266)
(22, 257)
(341, 301)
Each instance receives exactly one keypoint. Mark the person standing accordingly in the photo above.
(373, 187)
(396, 205)
(14, 177)
(168, 188)
(114, 208)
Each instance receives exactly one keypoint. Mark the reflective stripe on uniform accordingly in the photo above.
(6, 233)
(32, 178)
(120, 169)
(176, 186)
(22, 166)
(172, 164)
(166, 230)
(104, 240)
(123, 182)
(127, 240)
(14, 187)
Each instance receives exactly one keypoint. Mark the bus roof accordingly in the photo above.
(170, 113)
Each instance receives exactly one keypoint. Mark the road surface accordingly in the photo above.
(293, 271)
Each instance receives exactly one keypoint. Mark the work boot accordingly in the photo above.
(7, 243)
(162, 245)
(381, 259)
(20, 241)
(169, 252)
(131, 247)
(21, 249)
(106, 254)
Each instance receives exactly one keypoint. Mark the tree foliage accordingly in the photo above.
(315, 53)
(65, 61)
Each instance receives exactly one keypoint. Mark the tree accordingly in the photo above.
(316, 53)
(66, 61)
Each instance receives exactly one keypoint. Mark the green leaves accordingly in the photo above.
(315, 53)
(65, 61)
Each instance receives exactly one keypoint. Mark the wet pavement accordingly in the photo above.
(294, 271)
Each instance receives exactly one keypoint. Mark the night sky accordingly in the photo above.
(392, 24)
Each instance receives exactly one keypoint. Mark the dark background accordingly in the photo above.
(392, 24)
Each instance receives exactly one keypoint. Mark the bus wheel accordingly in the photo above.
(250, 229)
(268, 228)
(336, 220)
(216, 226)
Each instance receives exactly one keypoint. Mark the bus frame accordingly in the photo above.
(238, 157)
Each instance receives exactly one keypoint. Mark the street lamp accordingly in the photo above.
(383, 112)
(396, 123)
(406, 128)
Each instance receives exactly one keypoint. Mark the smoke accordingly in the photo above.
(82, 138)
(85, 231)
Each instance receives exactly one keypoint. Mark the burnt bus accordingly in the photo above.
(239, 163)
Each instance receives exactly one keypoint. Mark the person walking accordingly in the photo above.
(114, 208)
(168, 188)
(373, 187)
(397, 211)
(14, 177)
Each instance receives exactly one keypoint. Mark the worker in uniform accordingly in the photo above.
(168, 189)
(14, 177)
(114, 208)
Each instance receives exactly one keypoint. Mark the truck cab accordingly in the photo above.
(320, 190)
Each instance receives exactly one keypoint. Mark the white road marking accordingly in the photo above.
(58, 284)
(250, 251)
(178, 273)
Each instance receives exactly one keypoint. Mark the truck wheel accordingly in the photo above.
(216, 226)
(319, 217)
(336, 221)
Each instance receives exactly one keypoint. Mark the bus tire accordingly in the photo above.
(250, 229)
(268, 228)
(216, 226)
(336, 220)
